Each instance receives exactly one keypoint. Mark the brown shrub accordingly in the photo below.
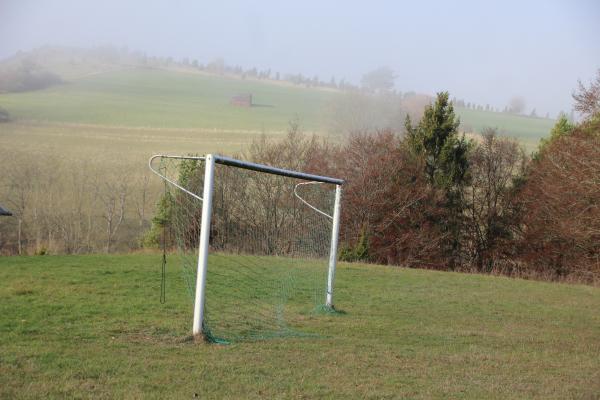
(561, 225)
(492, 211)
(387, 198)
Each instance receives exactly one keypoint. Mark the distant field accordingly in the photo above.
(528, 130)
(161, 99)
(93, 327)
(123, 145)
(146, 98)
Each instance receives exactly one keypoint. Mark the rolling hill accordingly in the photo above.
(167, 99)
(113, 88)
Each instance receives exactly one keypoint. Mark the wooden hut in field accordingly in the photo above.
(241, 100)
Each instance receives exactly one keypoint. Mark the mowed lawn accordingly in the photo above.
(93, 327)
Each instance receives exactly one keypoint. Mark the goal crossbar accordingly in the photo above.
(232, 162)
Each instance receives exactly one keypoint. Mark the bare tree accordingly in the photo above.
(63, 207)
(516, 105)
(142, 199)
(113, 198)
(388, 206)
(356, 112)
(587, 100)
(561, 222)
(378, 80)
(491, 208)
(94, 193)
(20, 177)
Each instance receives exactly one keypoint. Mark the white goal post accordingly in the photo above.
(207, 197)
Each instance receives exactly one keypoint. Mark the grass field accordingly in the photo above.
(128, 146)
(159, 99)
(528, 130)
(163, 99)
(92, 327)
(122, 117)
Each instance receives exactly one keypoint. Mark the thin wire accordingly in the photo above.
(163, 281)
(163, 277)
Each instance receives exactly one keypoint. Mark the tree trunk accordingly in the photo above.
(20, 245)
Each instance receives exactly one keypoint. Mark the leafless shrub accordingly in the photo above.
(64, 206)
(587, 100)
(561, 225)
(387, 199)
(492, 210)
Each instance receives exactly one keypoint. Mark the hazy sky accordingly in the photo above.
(485, 52)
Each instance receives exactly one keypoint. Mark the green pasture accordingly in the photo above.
(164, 99)
(158, 99)
(528, 130)
(93, 327)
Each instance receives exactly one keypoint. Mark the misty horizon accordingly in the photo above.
(485, 55)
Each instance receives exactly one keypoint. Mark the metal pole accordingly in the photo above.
(335, 233)
(209, 174)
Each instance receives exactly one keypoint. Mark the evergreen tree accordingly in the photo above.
(436, 139)
(563, 127)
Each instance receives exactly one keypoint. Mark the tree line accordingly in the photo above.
(426, 198)
(433, 199)
(70, 207)
(28, 71)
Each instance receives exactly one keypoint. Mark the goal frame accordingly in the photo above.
(207, 195)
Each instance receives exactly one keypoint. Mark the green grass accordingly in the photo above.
(162, 99)
(92, 327)
(528, 130)
(122, 117)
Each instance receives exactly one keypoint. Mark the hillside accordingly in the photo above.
(528, 130)
(119, 88)
(93, 326)
(165, 99)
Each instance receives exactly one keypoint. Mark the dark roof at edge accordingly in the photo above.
(4, 212)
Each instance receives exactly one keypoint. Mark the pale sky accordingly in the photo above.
(484, 52)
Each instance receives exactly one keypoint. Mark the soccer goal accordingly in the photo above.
(258, 244)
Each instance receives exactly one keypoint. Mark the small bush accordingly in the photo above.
(358, 252)
(4, 115)
(27, 77)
